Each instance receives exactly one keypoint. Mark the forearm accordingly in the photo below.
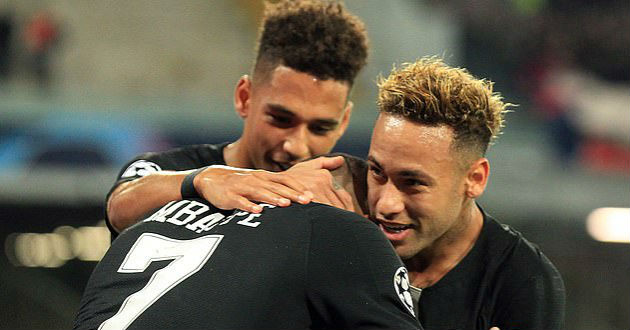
(131, 200)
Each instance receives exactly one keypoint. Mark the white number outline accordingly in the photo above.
(190, 256)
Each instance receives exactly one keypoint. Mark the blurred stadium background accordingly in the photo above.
(86, 85)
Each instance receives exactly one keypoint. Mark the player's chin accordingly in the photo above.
(404, 252)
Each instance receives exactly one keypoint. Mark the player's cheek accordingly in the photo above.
(322, 144)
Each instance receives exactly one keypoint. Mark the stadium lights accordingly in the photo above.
(51, 250)
(609, 224)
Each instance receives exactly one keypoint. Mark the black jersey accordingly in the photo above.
(190, 266)
(178, 159)
(504, 281)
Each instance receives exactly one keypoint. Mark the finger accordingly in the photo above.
(245, 204)
(287, 193)
(289, 187)
(320, 163)
(331, 163)
(265, 196)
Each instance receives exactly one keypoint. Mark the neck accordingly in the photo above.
(434, 262)
(235, 155)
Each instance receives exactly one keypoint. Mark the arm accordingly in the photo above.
(130, 200)
(228, 188)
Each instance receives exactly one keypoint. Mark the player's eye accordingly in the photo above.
(279, 120)
(321, 129)
(376, 172)
(414, 183)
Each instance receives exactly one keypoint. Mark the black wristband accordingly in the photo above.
(188, 188)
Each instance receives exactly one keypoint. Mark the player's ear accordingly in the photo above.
(477, 177)
(242, 96)
(347, 112)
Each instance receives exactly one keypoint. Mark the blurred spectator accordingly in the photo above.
(41, 34)
(551, 99)
(569, 60)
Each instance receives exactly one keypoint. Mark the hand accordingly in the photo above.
(315, 175)
(234, 188)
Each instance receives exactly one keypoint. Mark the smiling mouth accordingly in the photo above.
(392, 227)
(395, 228)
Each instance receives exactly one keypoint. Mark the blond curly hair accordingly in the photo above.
(431, 93)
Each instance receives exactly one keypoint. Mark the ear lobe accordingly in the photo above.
(477, 178)
(242, 96)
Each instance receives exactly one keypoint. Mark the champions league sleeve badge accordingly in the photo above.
(401, 284)
(140, 168)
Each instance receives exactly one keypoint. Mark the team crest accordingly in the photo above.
(140, 168)
(401, 284)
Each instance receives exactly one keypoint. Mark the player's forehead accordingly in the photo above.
(327, 118)
(300, 94)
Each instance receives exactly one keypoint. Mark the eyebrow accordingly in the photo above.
(407, 173)
(287, 112)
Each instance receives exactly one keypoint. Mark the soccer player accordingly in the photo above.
(427, 167)
(190, 265)
(295, 105)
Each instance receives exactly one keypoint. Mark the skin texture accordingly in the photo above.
(415, 180)
(287, 118)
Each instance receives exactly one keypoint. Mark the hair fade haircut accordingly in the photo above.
(430, 92)
(316, 37)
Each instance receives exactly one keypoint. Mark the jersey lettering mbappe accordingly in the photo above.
(182, 213)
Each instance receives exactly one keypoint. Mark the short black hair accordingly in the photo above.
(316, 37)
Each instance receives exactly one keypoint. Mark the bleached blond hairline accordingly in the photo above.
(430, 92)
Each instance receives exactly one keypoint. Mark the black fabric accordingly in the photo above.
(178, 159)
(299, 267)
(504, 281)
(188, 188)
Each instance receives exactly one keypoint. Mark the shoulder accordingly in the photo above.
(337, 227)
(181, 158)
(316, 213)
(206, 153)
(519, 259)
(529, 290)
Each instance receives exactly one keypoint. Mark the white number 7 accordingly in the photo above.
(189, 255)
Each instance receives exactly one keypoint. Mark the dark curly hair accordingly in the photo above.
(316, 37)
(432, 93)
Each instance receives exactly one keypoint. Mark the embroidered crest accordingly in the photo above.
(401, 284)
(141, 168)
